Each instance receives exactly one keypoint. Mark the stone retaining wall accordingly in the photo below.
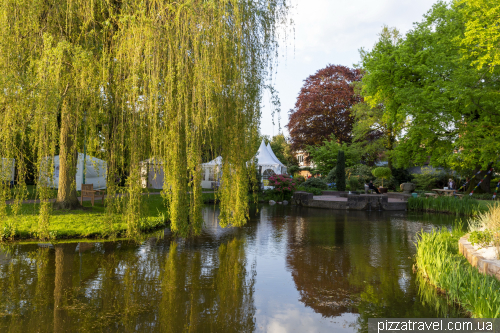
(354, 202)
(485, 266)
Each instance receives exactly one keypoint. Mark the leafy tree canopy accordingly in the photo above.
(325, 156)
(323, 107)
(447, 107)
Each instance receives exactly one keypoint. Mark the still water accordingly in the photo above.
(290, 269)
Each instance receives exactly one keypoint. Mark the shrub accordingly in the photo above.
(382, 172)
(340, 171)
(430, 178)
(315, 183)
(353, 183)
(313, 190)
(482, 238)
(299, 179)
(284, 186)
(401, 176)
(362, 171)
(330, 178)
(293, 169)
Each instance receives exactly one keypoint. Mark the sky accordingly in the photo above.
(331, 32)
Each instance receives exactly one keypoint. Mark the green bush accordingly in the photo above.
(353, 183)
(430, 178)
(315, 183)
(293, 169)
(362, 171)
(313, 190)
(482, 238)
(330, 178)
(382, 172)
(299, 179)
(340, 171)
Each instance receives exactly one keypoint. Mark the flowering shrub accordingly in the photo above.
(284, 186)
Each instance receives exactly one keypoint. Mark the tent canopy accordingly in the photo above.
(215, 162)
(95, 172)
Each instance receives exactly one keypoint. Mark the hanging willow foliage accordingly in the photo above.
(135, 79)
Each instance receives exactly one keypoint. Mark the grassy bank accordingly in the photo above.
(90, 222)
(440, 263)
(465, 206)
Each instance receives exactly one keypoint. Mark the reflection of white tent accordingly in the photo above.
(268, 163)
(152, 174)
(7, 170)
(210, 171)
(95, 172)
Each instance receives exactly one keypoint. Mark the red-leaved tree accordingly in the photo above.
(323, 107)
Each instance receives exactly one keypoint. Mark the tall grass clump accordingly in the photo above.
(439, 262)
(465, 206)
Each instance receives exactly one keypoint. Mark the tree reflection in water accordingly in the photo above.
(359, 262)
(114, 286)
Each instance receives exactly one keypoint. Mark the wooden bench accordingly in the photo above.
(434, 195)
(89, 192)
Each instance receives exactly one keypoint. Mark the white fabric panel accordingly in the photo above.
(95, 172)
(7, 169)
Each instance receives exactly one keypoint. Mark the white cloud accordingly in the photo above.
(332, 31)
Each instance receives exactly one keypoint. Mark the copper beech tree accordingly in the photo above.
(323, 107)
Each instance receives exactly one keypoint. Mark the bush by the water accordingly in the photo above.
(363, 172)
(330, 178)
(315, 183)
(313, 190)
(465, 206)
(284, 186)
(438, 261)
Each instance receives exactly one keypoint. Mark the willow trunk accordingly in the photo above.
(68, 157)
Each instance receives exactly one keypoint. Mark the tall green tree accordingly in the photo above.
(379, 114)
(448, 106)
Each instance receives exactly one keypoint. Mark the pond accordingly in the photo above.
(289, 269)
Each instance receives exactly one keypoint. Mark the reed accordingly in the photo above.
(440, 263)
(465, 206)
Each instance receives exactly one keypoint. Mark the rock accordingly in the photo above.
(279, 202)
(272, 202)
(285, 202)
(407, 188)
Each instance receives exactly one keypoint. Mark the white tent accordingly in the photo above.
(7, 170)
(95, 172)
(268, 165)
(283, 167)
(152, 174)
(210, 171)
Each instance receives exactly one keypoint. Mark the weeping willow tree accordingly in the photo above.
(130, 80)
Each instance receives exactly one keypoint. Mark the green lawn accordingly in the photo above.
(89, 223)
